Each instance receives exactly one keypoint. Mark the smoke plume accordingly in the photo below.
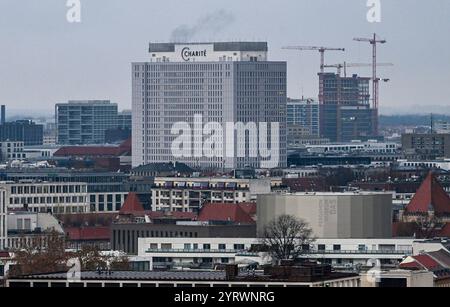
(210, 24)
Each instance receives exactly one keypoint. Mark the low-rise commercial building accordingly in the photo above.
(125, 236)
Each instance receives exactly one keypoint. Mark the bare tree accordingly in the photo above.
(285, 237)
(43, 254)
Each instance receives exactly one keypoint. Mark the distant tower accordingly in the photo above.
(3, 115)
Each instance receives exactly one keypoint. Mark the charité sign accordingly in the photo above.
(195, 52)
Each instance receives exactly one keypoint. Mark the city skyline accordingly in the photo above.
(59, 61)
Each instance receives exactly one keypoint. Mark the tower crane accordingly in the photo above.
(344, 66)
(315, 48)
(374, 41)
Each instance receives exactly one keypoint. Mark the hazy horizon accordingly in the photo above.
(46, 60)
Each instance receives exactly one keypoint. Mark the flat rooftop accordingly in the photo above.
(218, 46)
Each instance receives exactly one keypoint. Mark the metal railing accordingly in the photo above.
(195, 251)
(360, 252)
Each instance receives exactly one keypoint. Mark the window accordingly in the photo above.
(187, 246)
(206, 246)
(336, 247)
(321, 247)
(239, 247)
(222, 247)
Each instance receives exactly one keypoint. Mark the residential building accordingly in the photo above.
(3, 219)
(330, 215)
(190, 194)
(426, 146)
(367, 147)
(26, 229)
(200, 83)
(85, 122)
(11, 151)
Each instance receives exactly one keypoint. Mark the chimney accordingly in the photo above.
(3, 115)
(231, 272)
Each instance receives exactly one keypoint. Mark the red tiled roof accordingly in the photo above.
(126, 145)
(249, 208)
(442, 257)
(88, 233)
(430, 196)
(174, 215)
(132, 206)
(226, 213)
(427, 262)
(413, 265)
(88, 151)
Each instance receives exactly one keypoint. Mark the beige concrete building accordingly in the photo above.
(332, 215)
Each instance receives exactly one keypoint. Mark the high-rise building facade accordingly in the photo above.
(345, 111)
(305, 114)
(218, 83)
(3, 220)
(84, 122)
(124, 120)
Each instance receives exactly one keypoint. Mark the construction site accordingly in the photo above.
(348, 103)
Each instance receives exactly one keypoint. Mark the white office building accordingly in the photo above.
(55, 197)
(209, 86)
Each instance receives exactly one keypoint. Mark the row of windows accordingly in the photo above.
(48, 189)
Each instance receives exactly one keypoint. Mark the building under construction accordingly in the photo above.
(345, 110)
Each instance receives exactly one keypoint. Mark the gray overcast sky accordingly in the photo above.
(44, 59)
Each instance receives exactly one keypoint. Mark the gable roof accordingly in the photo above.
(442, 257)
(430, 196)
(132, 206)
(225, 213)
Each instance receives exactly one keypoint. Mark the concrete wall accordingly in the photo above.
(332, 215)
